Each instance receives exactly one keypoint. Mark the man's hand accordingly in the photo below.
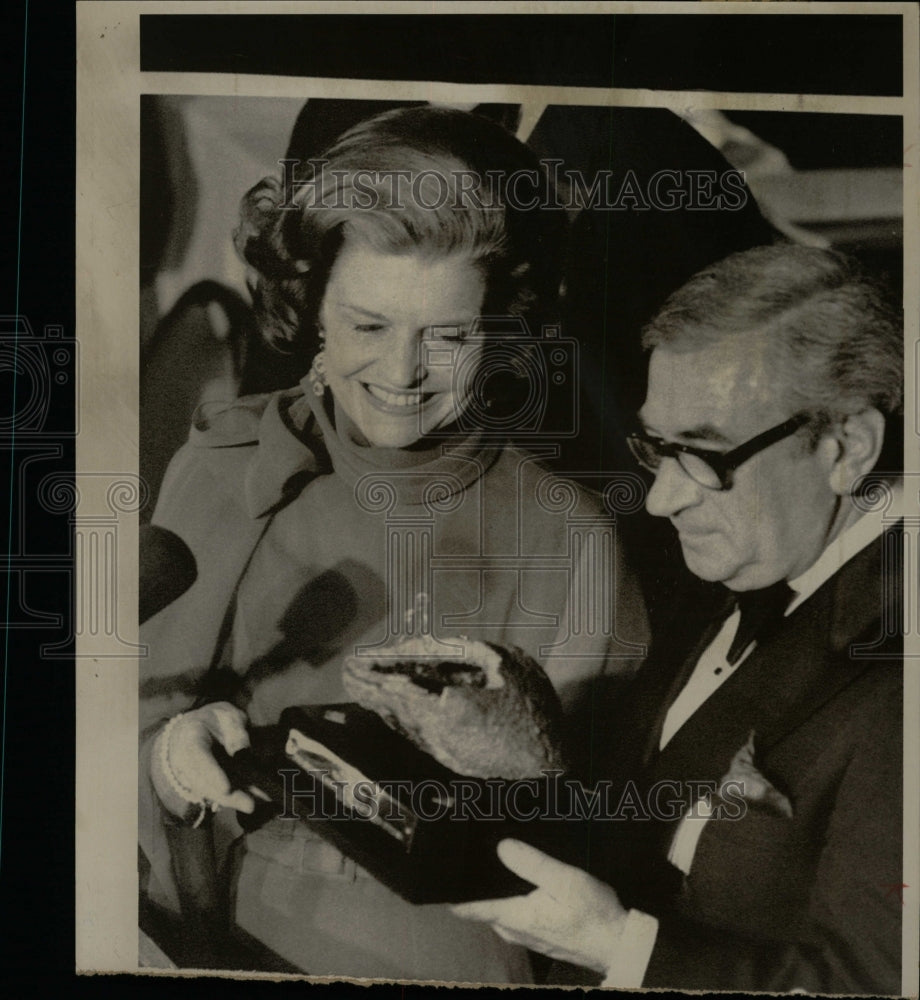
(570, 915)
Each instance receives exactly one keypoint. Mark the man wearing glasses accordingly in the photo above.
(774, 390)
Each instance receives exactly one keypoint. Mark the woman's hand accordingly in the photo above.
(183, 768)
(570, 915)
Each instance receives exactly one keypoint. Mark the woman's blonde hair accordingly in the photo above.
(421, 179)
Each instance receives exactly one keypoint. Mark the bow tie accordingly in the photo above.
(760, 610)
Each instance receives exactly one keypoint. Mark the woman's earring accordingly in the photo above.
(317, 373)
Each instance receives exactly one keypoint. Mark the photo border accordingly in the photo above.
(109, 85)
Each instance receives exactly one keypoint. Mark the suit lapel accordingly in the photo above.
(667, 682)
(660, 679)
(784, 681)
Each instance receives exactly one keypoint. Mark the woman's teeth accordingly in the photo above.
(395, 398)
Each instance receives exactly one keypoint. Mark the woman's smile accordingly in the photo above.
(391, 399)
(396, 358)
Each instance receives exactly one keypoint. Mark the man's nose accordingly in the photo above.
(405, 363)
(672, 490)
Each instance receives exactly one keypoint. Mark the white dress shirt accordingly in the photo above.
(633, 951)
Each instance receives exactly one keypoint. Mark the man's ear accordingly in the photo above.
(860, 438)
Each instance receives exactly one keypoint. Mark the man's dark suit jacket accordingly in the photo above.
(774, 903)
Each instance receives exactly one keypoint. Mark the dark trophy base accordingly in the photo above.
(422, 830)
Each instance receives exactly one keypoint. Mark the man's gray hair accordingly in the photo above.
(839, 345)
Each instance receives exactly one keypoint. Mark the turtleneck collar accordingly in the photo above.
(298, 439)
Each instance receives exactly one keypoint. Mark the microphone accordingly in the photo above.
(167, 569)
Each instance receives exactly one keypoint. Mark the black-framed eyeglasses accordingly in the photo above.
(712, 469)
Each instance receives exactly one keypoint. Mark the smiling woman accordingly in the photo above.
(382, 481)
(381, 317)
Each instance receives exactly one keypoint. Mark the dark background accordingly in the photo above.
(844, 55)
(788, 53)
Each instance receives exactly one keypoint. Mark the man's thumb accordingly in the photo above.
(535, 866)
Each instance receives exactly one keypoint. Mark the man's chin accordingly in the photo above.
(730, 576)
(708, 568)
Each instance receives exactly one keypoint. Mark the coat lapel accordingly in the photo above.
(787, 677)
(667, 682)
(639, 721)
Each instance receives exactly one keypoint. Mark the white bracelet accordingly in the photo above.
(175, 782)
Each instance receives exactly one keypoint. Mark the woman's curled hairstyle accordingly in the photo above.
(423, 179)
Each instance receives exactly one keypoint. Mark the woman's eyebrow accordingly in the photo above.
(351, 307)
(462, 326)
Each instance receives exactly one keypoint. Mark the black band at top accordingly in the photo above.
(844, 54)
